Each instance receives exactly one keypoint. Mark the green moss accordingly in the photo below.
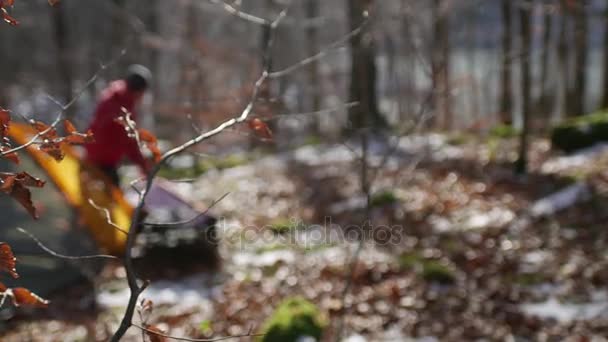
(312, 140)
(203, 166)
(580, 132)
(493, 144)
(271, 248)
(293, 318)
(437, 272)
(318, 247)
(458, 139)
(430, 270)
(383, 198)
(528, 279)
(504, 132)
(409, 260)
(205, 327)
(283, 226)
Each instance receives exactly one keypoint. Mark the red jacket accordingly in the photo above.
(112, 144)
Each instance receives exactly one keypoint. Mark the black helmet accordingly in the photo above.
(138, 77)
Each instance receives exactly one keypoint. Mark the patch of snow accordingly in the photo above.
(580, 158)
(561, 200)
(193, 291)
(440, 224)
(495, 217)
(264, 259)
(353, 203)
(568, 312)
(355, 338)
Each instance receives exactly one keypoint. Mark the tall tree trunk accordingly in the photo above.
(363, 71)
(563, 52)
(472, 65)
(60, 32)
(506, 95)
(441, 65)
(312, 37)
(546, 97)
(526, 44)
(605, 88)
(581, 29)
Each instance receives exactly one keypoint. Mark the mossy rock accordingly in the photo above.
(458, 139)
(504, 132)
(283, 226)
(430, 270)
(383, 198)
(293, 318)
(437, 272)
(580, 132)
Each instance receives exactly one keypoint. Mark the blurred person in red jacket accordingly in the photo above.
(112, 143)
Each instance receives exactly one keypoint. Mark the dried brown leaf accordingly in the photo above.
(154, 333)
(7, 260)
(24, 297)
(260, 128)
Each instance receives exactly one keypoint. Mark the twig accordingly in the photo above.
(63, 256)
(223, 338)
(185, 222)
(240, 14)
(108, 216)
(324, 52)
(64, 108)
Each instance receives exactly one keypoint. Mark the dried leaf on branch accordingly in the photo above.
(4, 12)
(16, 185)
(260, 128)
(52, 144)
(154, 333)
(143, 137)
(7, 260)
(5, 146)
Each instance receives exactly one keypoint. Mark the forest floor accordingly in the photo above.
(461, 249)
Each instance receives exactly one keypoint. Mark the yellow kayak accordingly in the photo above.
(86, 189)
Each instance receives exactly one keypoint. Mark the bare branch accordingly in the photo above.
(108, 216)
(64, 108)
(63, 256)
(224, 338)
(324, 52)
(181, 223)
(240, 14)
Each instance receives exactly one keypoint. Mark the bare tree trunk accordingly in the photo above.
(312, 33)
(60, 32)
(506, 96)
(564, 58)
(472, 65)
(526, 42)
(363, 71)
(581, 30)
(605, 88)
(545, 101)
(407, 102)
(441, 65)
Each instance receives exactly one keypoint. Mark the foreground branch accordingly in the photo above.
(135, 289)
